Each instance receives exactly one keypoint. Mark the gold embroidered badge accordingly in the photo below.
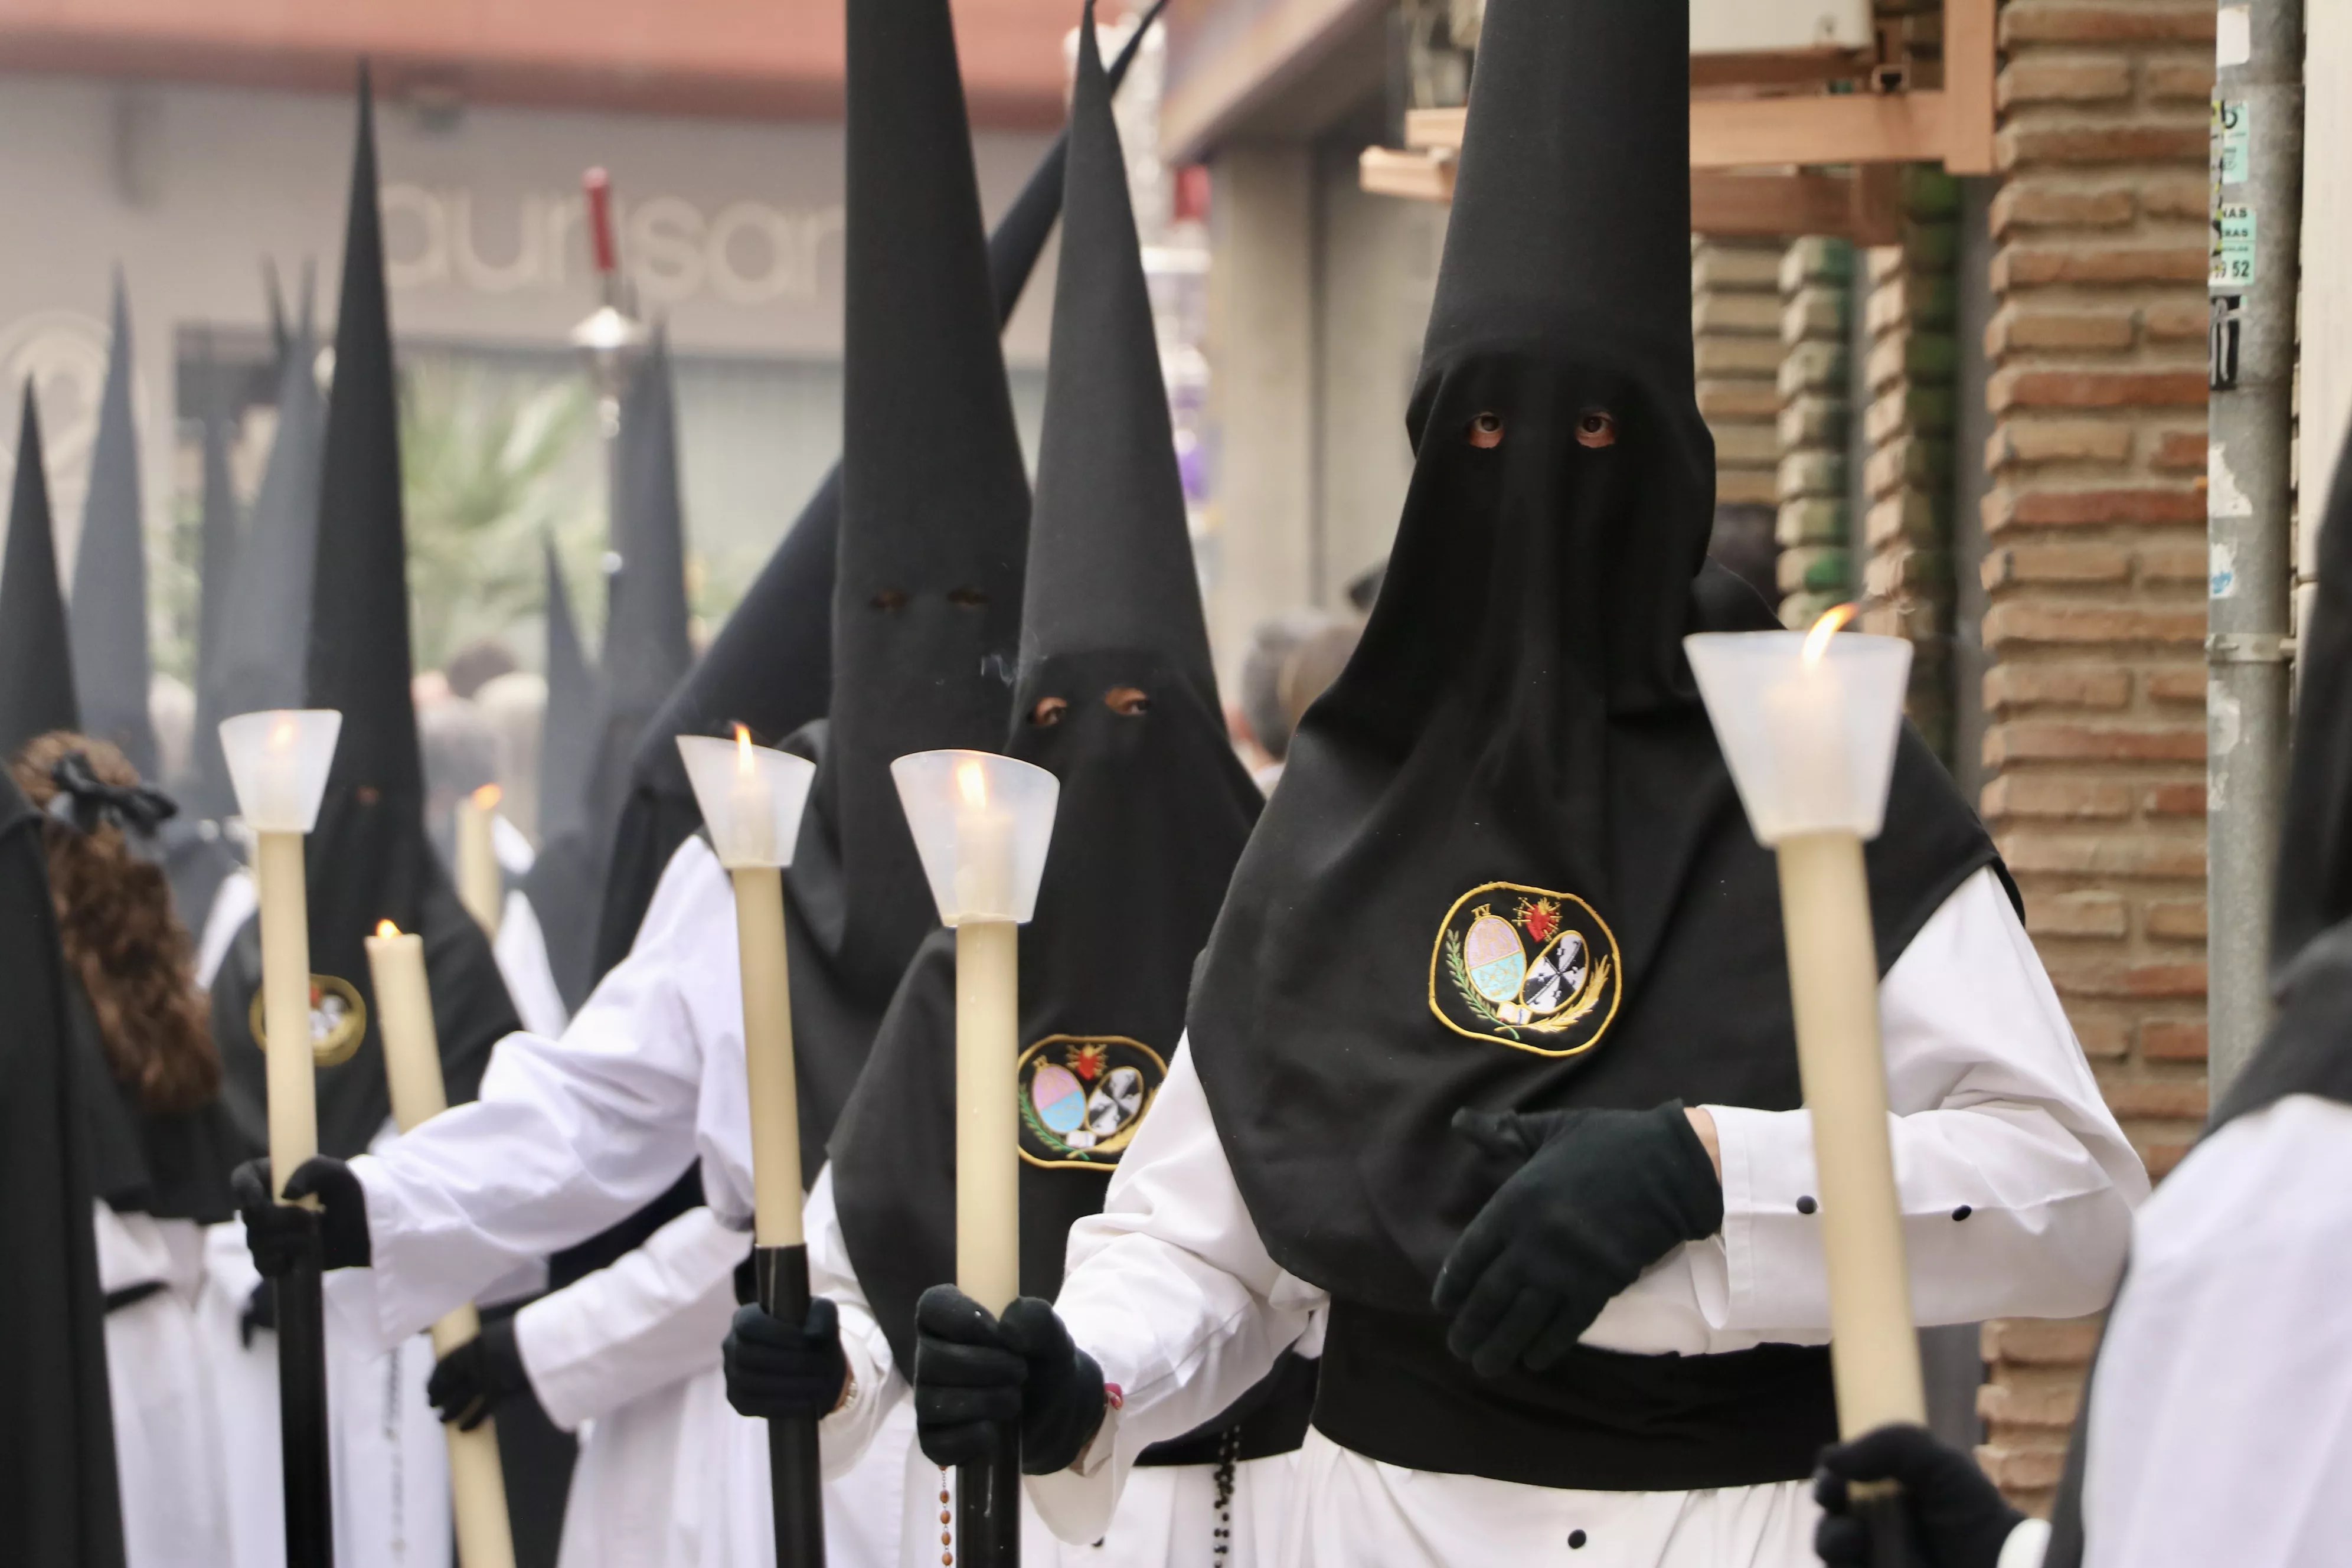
(337, 1020)
(1083, 1097)
(1526, 966)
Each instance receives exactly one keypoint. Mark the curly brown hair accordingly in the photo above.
(116, 925)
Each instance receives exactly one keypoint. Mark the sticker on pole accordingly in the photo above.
(2232, 138)
(2233, 246)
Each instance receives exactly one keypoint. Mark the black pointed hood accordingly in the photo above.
(1116, 698)
(368, 857)
(568, 733)
(58, 1499)
(771, 666)
(562, 882)
(109, 613)
(927, 597)
(1506, 867)
(37, 673)
(266, 638)
(218, 527)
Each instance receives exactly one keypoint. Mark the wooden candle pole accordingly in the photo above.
(411, 1068)
(780, 1260)
(988, 1204)
(1834, 990)
(294, 1137)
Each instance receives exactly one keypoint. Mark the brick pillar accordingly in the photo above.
(1907, 531)
(1813, 530)
(1736, 325)
(2094, 570)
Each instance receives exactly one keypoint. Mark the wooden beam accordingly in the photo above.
(1971, 61)
(1763, 132)
(1862, 206)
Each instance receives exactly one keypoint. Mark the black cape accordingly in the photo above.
(58, 1501)
(1506, 867)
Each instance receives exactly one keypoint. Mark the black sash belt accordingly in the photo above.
(132, 1295)
(1598, 1422)
(1270, 1419)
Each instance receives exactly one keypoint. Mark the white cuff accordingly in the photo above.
(2025, 1545)
(1076, 1503)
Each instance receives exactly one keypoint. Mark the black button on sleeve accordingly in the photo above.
(1806, 1205)
(1962, 1212)
(1576, 1540)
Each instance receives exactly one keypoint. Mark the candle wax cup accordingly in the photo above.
(753, 833)
(983, 877)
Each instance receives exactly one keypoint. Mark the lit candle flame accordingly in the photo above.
(1833, 621)
(386, 930)
(745, 765)
(971, 783)
(284, 733)
(487, 797)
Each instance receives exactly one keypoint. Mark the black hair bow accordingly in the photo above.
(84, 800)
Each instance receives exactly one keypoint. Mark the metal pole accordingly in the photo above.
(2257, 222)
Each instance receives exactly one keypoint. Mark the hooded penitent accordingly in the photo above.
(934, 506)
(369, 859)
(561, 882)
(771, 666)
(218, 526)
(37, 677)
(58, 1501)
(1117, 698)
(1506, 868)
(108, 612)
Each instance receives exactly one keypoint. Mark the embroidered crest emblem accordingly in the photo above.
(1083, 1097)
(337, 1020)
(1527, 967)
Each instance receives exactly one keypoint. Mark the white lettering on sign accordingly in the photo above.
(748, 252)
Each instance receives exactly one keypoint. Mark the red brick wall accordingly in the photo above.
(2094, 570)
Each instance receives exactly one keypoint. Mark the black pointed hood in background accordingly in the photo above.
(771, 666)
(647, 650)
(37, 673)
(108, 612)
(1506, 867)
(368, 857)
(218, 530)
(561, 884)
(59, 1501)
(1117, 699)
(266, 637)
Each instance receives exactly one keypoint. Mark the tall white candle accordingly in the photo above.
(481, 885)
(286, 1002)
(988, 1158)
(412, 1066)
(768, 1056)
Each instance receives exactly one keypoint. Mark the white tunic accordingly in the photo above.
(2221, 1427)
(167, 1450)
(1994, 1108)
(570, 1135)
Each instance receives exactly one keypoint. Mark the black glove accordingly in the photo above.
(260, 1313)
(777, 1371)
(973, 1373)
(1952, 1514)
(1601, 1196)
(281, 1235)
(471, 1382)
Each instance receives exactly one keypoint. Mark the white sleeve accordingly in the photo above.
(1172, 1293)
(844, 1437)
(2017, 1186)
(2221, 1426)
(570, 1135)
(655, 1317)
(522, 953)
